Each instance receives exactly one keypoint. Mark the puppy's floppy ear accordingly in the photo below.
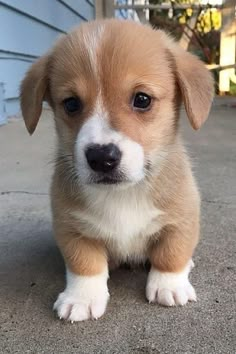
(33, 91)
(196, 85)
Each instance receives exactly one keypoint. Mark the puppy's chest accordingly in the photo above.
(124, 221)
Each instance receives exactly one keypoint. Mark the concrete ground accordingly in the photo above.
(32, 271)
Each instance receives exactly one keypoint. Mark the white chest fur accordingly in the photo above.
(124, 219)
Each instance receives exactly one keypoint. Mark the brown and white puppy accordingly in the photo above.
(122, 188)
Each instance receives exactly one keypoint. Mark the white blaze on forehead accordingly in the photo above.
(92, 41)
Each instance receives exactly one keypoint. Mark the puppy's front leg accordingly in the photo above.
(86, 293)
(170, 257)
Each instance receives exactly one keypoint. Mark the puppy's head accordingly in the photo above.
(115, 88)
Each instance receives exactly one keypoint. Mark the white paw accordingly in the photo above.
(170, 289)
(84, 297)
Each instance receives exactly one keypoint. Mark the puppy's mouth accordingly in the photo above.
(108, 179)
(115, 178)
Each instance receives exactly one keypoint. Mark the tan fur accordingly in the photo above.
(82, 255)
(35, 83)
(130, 58)
(173, 247)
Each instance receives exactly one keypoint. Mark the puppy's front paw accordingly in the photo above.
(77, 308)
(83, 298)
(170, 289)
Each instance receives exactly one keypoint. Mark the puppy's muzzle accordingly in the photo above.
(103, 158)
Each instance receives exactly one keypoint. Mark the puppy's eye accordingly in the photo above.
(142, 101)
(73, 105)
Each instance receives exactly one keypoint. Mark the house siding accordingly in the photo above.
(27, 30)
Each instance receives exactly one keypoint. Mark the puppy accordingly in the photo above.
(122, 189)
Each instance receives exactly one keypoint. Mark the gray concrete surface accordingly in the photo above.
(32, 270)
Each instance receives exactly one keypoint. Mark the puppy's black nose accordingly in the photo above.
(103, 158)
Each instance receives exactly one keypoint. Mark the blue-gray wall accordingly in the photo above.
(27, 30)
